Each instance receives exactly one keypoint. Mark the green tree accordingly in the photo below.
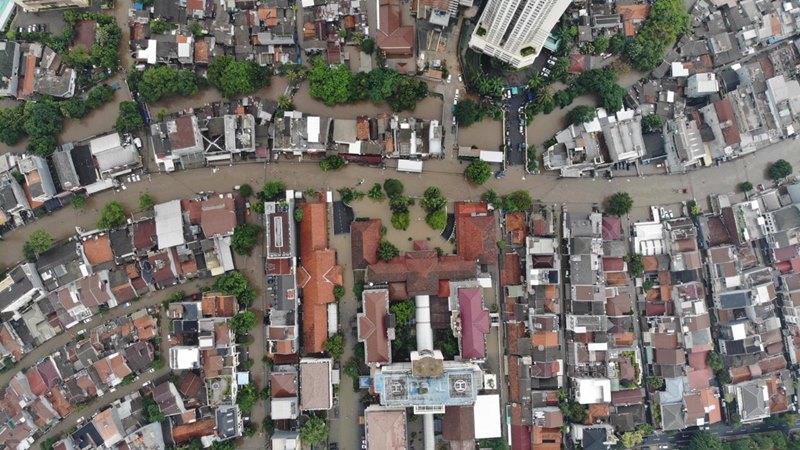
(11, 129)
(242, 323)
(403, 311)
(245, 190)
(245, 238)
(631, 439)
(401, 220)
(235, 78)
(491, 197)
(273, 190)
(154, 413)
(668, 19)
(745, 186)
(601, 44)
(393, 187)
(478, 172)
(113, 216)
(376, 193)
(652, 123)
(494, 444)
(581, 114)
(285, 103)
(79, 201)
(779, 169)
(432, 200)
(329, 84)
(656, 382)
(42, 122)
(39, 242)
(715, 361)
(74, 108)
(298, 214)
(236, 284)
(467, 112)
(333, 162)
(533, 159)
(368, 46)
(518, 201)
(78, 57)
(161, 26)
(196, 28)
(334, 346)
(387, 251)
(436, 219)
(314, 431)
(703, 440)
(338, 292)
(129, 117)
(247, 396)
(620, 204)
(146, 201)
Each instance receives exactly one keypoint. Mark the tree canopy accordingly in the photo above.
(668, 19)
(652, 123)
(272, 190)
(703, 440)
(235, 78)
(241, 324)
(387, 250)
(245, 238)
(336, 84)
(581, 114)
(129, 117)
(335, 345)
(518, 201)
(247, 396)
(314, 431)
(39, 242)
(146, 201)
(393, 187)
(113, 216)
(161, 82)
(620, 204)
(779, 169)
(478, 171)
(467, 112)
(236, 284)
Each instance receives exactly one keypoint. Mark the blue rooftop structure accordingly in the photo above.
(456, 384)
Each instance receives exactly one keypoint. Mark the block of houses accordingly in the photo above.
(316, 384)
(375, 326)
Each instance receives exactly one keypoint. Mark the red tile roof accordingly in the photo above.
(515, 227)
(365, 236)
(218, 216)
(189, 431)
(612, 228)
(512, 270)
(394, 38)
(215, 304)
(476, 232)
(421, 271)
(190, 385)
(372, 326)
(36, 382)
(458, 423)
(475, 324)
(317, 276)
(144, 234)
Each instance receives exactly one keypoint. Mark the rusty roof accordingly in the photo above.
(373, 326)
(421, 271)
(187, 432)
(144, 234)
(458, 423)
(190, 384)
(365, 237)
(201, 52)
(218, 216)
(394, 38)
(476, 235)
(283, 384)
(216, 304)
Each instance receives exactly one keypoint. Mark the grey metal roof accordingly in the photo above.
(65, 170)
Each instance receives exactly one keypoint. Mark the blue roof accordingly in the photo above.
(458, 386)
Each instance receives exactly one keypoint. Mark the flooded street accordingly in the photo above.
(487, 135)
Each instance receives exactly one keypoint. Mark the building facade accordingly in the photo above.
(514, 31)
(41, 5)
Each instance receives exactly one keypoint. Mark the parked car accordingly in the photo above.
(449, 78)
(460, 79)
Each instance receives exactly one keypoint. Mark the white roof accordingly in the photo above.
(184, 358)
(407, 165)
(308, 3)
(148, 54)
(313, 128)
(678, 70)
(184, 49)
(169, 224)
(487, 423)
(491, 156)
(104, 143)
(593, 390)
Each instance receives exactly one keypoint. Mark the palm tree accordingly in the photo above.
(535, 81)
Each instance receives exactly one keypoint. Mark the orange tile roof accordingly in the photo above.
(515, 226)
(201, 52)
(215, 304)
(98, 250)
(545, 338)
(26, 87)
(189, 431)
(317, 276)
(146, 327)
(512, 270)
(476, 235)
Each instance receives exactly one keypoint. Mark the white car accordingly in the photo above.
(457, 91)
(449, 78)
(460, 80)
